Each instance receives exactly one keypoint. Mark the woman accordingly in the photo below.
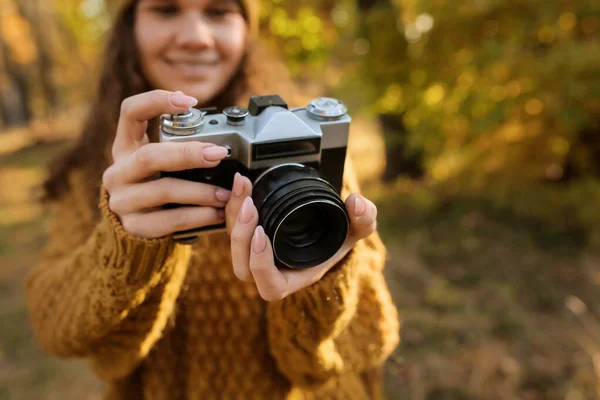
(161, 320)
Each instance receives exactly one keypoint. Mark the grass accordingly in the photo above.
(482, 296)
(494, 306)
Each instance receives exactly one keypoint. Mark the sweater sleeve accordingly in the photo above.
(99, 292)
(344, 322)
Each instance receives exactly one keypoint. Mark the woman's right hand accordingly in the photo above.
(136, 191)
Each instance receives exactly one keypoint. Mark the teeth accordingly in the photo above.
(193, 63)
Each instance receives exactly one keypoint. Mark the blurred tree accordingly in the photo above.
(501, 88)
(303, 34)
(501, 97)
(45, 54)
(16, 54)
(45, 65)
(381, 69)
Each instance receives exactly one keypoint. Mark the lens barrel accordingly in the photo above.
(302, 215)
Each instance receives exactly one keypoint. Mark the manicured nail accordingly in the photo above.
(359, 206)
(246, 212)
(238, 188)
(259, 241)
(222, 194)
(214, 153)
(179, 99)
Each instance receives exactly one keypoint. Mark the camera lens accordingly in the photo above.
(302, 215)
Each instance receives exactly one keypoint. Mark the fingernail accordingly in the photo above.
(238, 188)
(179, 99)
(259, 241)
(214, 153)
(359, 206)
(222, 194)
(246, 212)
(220, 213)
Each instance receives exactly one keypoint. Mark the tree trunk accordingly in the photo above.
(14, 98)
(583, 158)
(32, 11)
(44, 62)
(399, 161)
(366, 5)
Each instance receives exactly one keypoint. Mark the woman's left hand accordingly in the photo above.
(251, 250)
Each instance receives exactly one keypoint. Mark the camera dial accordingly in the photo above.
(236, 116)
(326, 109)
(185, 124)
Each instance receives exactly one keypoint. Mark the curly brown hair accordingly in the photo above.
(259, 73)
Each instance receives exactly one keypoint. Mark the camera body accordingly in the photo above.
(273, 146)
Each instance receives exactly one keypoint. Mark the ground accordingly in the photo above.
(492, 306)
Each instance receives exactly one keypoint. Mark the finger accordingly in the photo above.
(241, 236)
(363, 216)
(270, 282)
(138, 109)
(242, 188)
(157, 157)
(164, 222)
(134, 198)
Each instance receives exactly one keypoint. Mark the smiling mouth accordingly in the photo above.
(190, 64)
(192, 70)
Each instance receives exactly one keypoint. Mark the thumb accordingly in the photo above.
(363, 216)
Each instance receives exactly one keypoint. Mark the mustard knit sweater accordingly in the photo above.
(159, 320)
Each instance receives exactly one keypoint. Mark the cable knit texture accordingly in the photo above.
(159, 320)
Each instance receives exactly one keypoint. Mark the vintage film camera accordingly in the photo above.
(295, 159)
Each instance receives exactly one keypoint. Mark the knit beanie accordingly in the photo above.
(250, 9)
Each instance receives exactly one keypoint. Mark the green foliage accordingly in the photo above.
(315, 38)
(501, 97)
(498, 86)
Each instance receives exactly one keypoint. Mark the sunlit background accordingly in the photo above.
(476, 130)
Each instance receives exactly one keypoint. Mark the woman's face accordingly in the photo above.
(195, 46)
